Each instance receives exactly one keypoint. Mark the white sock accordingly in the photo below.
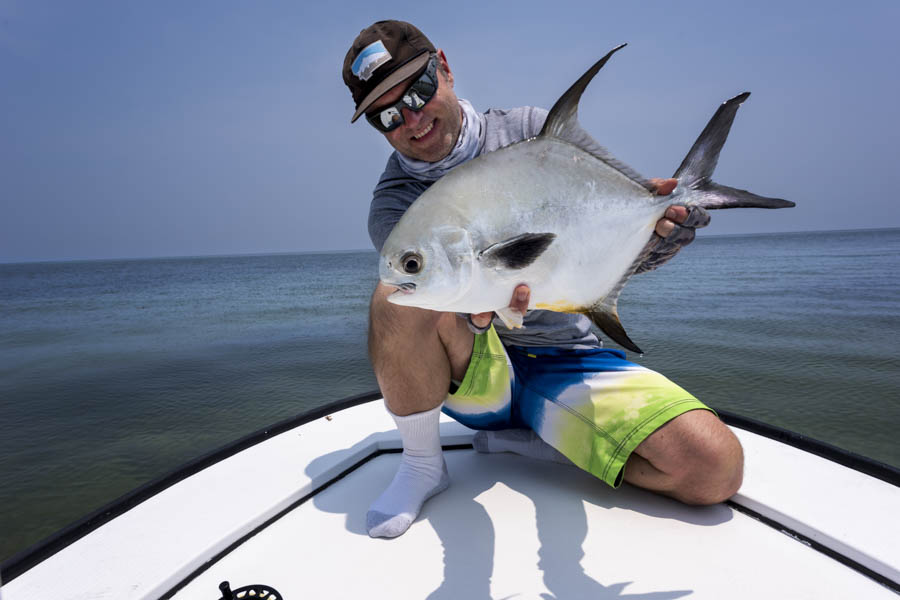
(519, 441)
(422, 474)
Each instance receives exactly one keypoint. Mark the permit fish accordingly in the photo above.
(557, 212)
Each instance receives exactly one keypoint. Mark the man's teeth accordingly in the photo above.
(424, 131)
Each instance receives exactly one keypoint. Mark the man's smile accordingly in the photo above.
(424, 132)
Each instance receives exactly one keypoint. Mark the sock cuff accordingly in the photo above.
(425, 414)
(420, 431)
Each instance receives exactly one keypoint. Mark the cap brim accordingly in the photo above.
(404, 72)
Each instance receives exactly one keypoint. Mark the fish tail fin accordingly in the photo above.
(695, 172)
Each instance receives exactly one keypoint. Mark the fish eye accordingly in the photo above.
(411, 263)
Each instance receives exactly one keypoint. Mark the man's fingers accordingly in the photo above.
(520, 298)
(677, 213)
(664, 187)
(664, 227)
(689, 217)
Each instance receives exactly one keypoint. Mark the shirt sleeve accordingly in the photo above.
(535, 121)
(395, 192)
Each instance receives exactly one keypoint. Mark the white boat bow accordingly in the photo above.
(285, 508)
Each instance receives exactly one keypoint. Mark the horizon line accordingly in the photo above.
(355, 250)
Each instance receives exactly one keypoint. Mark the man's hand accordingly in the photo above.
(677, 228)
(519, 303)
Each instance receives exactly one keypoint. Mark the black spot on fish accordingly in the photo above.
(517, 252)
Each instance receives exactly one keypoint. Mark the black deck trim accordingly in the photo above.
(830, 553)
(40, 551)
(211, 562)
(851, 460)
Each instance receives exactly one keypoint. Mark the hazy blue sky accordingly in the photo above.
(137, 129)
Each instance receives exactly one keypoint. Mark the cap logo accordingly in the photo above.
(372, 56)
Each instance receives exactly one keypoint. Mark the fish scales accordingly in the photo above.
(556, 212)
(546, 185)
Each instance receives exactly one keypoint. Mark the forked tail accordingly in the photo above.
(695, 173)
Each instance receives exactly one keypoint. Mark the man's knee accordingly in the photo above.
(389, 321)
(407, 333)
(394, 326)
(714, 466)
(701, 455)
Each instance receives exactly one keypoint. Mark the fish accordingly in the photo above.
(557, 212)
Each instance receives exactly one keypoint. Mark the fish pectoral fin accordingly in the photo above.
(607, 320)
(516, 252)
(513, 319)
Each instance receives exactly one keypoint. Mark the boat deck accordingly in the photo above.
(513, 527)
(290, 513)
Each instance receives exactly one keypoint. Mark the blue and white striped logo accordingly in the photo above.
(372, 56)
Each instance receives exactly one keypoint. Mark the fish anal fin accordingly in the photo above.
(608, 322)
(605, 314)
(516, 252)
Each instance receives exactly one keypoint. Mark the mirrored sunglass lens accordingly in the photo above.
(425, 87)
(413, 100)
(390, 118)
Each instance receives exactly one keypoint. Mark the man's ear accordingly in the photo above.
(448, 74)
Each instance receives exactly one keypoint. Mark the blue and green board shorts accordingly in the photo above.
(592, 405)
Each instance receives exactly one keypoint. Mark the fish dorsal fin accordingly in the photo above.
(516, 252)
(562, 123)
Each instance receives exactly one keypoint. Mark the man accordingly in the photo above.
(548, 390)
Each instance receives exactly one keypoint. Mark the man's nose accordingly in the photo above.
(411, 117)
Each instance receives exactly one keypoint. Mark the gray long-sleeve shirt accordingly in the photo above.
(397, 190)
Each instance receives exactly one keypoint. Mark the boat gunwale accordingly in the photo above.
(31, 556)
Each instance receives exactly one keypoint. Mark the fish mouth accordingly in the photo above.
(404, 288)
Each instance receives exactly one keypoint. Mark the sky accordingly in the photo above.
(142, 129)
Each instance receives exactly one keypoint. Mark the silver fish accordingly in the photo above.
(557, 212)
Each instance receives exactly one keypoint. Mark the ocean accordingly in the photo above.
(113, 373)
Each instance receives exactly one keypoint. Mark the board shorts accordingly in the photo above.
(592, 405)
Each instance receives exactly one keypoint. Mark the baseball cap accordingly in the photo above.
(383, 55)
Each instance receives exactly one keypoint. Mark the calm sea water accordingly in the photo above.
(113, 373)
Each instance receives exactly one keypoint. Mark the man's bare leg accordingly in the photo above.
(694, 458)
(414, 353)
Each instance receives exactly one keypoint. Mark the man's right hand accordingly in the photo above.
(519, 303)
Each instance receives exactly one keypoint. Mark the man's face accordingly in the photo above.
(430, 133)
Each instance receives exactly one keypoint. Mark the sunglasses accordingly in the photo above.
(414, 98)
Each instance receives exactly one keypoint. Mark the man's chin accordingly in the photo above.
(430, 148)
